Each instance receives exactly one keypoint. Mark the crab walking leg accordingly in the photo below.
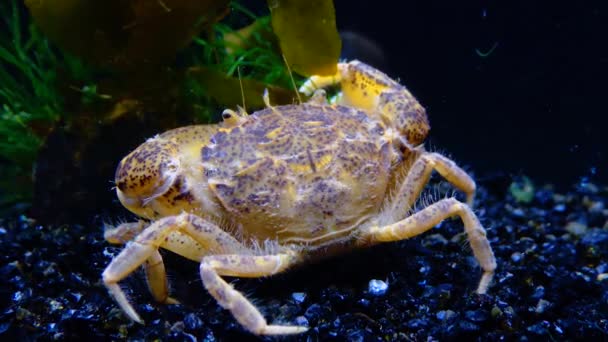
(124, 232)
(154, 268)
(156, 277)
(432, 215)
(418, 176)
(186, 234)
(250, 266)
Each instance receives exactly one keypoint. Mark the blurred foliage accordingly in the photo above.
(522, 189)
(124, 34)
(307, 34)
(29, 97)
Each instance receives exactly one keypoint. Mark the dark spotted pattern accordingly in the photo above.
(372, 75)
(407, 115)
(156, 173)
(300, 172)
(147, 168)
(369, 89)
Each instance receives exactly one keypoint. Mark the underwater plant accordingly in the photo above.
(300, 34)
(125, 35)
(30, 99)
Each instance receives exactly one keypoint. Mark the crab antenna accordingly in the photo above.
(293, 82)
(238, 70)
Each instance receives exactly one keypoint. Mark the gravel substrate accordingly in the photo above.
(551, 282)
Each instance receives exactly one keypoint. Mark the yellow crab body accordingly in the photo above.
(262, 192)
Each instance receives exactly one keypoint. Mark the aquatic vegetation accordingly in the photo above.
(30, 99)
(238, 64)
(522, 189)
(307, 34)
(302, 34)
(125, 34)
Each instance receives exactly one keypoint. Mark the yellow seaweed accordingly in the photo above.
(307, 35)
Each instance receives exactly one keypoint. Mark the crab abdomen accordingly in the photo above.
(300, 174)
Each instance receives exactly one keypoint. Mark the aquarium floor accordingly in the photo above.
(551, 282)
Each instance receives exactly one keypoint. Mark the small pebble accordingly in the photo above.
(301, 321)
(516, 257)
(315, 311)
(542, 306)
(539, 292)
(468, 326)
(560, 208)
(299, 297)
(576, 228)
(192, 322)
(445, 315)
(178, 326)
(595, 237)
(496, 312)
(417, 323)
(541, 328)
(377, 287)
(518, 212)
(476, 315)
(596, 207)
(17, 296)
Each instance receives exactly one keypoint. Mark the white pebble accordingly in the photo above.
(377, 287)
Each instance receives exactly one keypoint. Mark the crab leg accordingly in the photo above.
(154, 268)
(185, 234)
(418, 176)
(156, 277)
(124, 232)
(432, 215)
(250, 266)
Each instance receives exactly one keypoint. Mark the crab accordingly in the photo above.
(260, 193)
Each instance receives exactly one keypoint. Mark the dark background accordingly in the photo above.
(534, 106)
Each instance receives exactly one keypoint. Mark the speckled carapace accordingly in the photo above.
(259, 193)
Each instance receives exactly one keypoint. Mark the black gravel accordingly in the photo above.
(551, 282)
